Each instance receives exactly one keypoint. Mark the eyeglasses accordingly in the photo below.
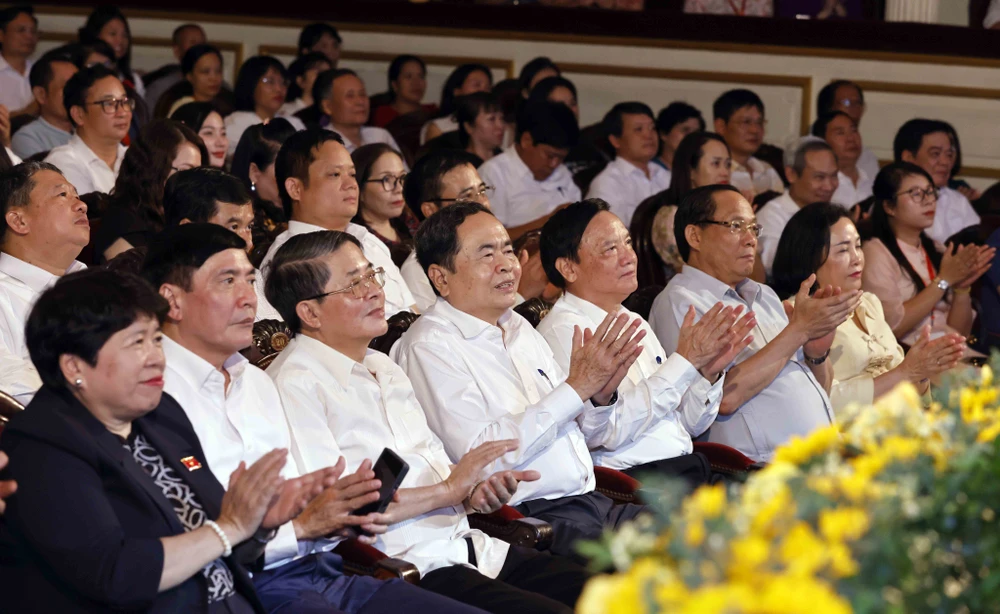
(110, 106)
(919, 196)
(359, 287)
(737, 227)
(476, 194)
(389, 182)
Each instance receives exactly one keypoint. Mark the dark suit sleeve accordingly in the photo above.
(62, 511)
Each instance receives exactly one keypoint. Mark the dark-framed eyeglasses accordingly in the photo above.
(359, 287)
(475, 194)
(919, 196)
(737, 227)
(110, 106)
(390, 182)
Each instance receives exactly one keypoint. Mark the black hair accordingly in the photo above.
(548, 123)
(468, 108)
(192, 55)
(455, 80)
(79, 52)
(193, 194)
(16, 184)
(508, 94)
(686, 160)
(614, 120)
(175, 38)
(249, 76)
(298, 68)
(364, 159)
(911, 135)
(295, 156)
(41, 73)
(80, 313)
(677, 113)
(826, 99)
(544, 88)
(396, 67)
(804, 246)
(259, 144)
(437, 237)
(323, 85)
(697, 206)
(176, 253)
(532, 68)
(312, 33)
(10, 13)
(823, 122)
(78, 86)
(805, 146)
(732, 101)
(194, 114)
(423, 183)
(562, 233)
(956, 168)
(298, 272)
(91, 31)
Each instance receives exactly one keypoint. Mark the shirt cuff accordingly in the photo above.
(679, 373)
(563, 403)
(283, 548)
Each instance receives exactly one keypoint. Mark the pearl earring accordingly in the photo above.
(78, 383)
(253, 186)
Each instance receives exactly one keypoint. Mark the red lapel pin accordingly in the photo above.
(191, 463)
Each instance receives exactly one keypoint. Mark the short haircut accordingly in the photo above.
(10, 13)
(80, 313)
(548, 123)
(696, 207)
(298, 68)
(176, 253)
(78, 87)
(193, 194)
(804, 246)
(795, 154)
(423, 183)
(614, 120)
(823, 122)
(259, 145)
(294, 158)
(297, 271)
(677, 113)
(532, 68)
(468, 108)
(175, 38)
(732, 101)
(827, 97)
(42, 73)
(437, 238)
(562, 233)
(323, 85)
(16, 184)
(250, 74)
(911, 135)
(192, 55)
(312, 33)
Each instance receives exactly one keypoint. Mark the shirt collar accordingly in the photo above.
(296, 227)
(195, 369)
(753, 165)
(787, 202)
(5, 65)
(699, 280)
(338, 364)
(631, 169)
(589, 310)
(89, 155)
(36, 278)
(517, 165)
(469, 325)
(50, 126)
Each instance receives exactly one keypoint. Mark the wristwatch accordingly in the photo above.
(942, 284)
(816, 361)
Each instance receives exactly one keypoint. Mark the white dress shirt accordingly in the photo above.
(518, 197)
(14, 158)
(15, 89)
(764, 177)
(954, 213)
(848, 193)
(623, 185)
(21, 284)
(237, 425)
(868, 162)
(369, 135)
(238, 122)
(81, 166)
(336, 406)
(265, 311)
(397, 294)
(667, 390)
(418, 283)
(773, 217)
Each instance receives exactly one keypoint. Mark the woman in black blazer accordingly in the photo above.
(114, 499)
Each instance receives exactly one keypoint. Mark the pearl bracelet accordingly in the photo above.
(226, 544)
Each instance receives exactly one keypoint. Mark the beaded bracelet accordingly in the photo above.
(226, 544)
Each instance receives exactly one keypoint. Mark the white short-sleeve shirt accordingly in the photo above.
(518, 197)
(624, 186)
(81, 166)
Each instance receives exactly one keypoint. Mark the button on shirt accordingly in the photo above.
(623, 186)
(848, 193)
(336, 406)
(664, 391)
(20, 285)
(38, 136)
(397, 294)
(773, 217)
(241, 424)
(81, 166)
(954, 213)
(519, 198)
(794, 403)
(15, 89)
(764, 178)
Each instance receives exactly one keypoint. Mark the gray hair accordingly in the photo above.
(796, 150)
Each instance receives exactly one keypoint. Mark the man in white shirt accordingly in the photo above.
(840, 131)
(847, 97)
(739, 119)
(811, 168)
(482, 373)
(44, 229)
(631, 177)
(587, 251)
(343, 398)
(315, 177)
(203, 272)
(529, 179)
(342, 99)
(53, 127)
(18, 38)
(101, 113)
(929, 144)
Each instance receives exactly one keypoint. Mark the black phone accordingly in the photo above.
(390, 469)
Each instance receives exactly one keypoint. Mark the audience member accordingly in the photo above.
(202, 70)
(556, 89)
(207, 122)
(847, 97)
(480, 125)
(530, 179)
(101, 112)
(739, 118)
(85, 55)
(867, 361)
(185, 36)
(811, 168)
(319, 191)
(302, 75)
(535, 71)
(840, 131)
(407, 87)
(777, 388)
(253, 164)
(107, 23)
(466, 79)
(259, 94)
(135, 209)
(919, 281)
(631, 177)
(122, 456)
(954, 182)
(482, 373)
(534, 281)
(18, 39)
(587, 251)
(44, 229)
(53, 127)
(343, 398)
(753, 8)
(674, 122)
(203, 272)
(321, 38)
(381, 172)
(341, 104)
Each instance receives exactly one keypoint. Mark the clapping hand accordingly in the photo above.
(495, 492)
(600, 360)
(251, 492)
(295, 495)
(928, 358)
(717, 338)
(819, 315)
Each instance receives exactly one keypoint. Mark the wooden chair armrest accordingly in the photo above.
(617, 486)
(509, 525)
(364, 560)
(726, 460)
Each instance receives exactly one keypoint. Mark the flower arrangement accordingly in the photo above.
(891, 511)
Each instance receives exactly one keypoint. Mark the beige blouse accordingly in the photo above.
(663, 237)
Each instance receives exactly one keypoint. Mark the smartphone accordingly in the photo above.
(390, 469)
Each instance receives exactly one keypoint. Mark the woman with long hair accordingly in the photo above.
(261, 88)
(407, 87)
(108, 24)
(465, 79)
(202, 69)
(253, 164)
(302, 75)
(381, 208)
(204, 119)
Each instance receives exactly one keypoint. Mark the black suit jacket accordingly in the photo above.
(82, 532)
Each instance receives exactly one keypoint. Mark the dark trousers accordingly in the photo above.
(579, 517)
(317, 584)
(529, 582)
(693, 468)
